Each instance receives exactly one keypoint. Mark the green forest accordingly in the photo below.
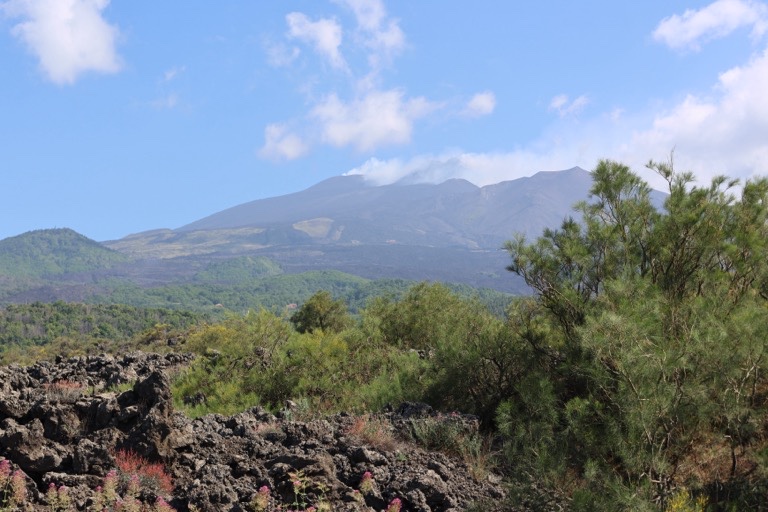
(630, 379)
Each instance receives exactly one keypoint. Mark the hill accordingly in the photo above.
(48, 252)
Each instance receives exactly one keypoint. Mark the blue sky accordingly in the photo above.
(124, 116)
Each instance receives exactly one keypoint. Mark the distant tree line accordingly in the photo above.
(48, 327)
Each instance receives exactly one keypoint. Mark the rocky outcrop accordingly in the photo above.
(65, 423)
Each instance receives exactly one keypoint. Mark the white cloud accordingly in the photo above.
(171, 74)
(481, 104)
(382, 35)
(69, 37)
(478, 168)
(325, 35)
(721, 130)
(564, 107)
(717, 19)
(281, 55)
(372, 115)
(281, 144)
(721, 133)
(369, 13)
(616, 114)
(167, 102)
(379, 118)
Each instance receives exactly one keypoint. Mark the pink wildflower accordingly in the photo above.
(110, 486)
(366, 483)
(5, 470)
(260, 502)
(394, 505)
(18, 487)
(63, 500)
(162, 506)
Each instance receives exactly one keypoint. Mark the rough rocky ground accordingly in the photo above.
(64, 423)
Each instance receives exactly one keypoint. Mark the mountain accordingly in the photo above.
(451, 232)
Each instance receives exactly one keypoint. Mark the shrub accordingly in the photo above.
(375, 432)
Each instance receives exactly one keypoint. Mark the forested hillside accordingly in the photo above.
(49, 252)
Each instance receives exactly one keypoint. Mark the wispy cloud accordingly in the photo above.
(171, 74)
(724, 130)
(376, 30)
(166, 102)
(565, 107)
(718, 19)
(281, 55)
(324, 35)
(69, 37)
(481, 104)
(478, 168)
(282, 144)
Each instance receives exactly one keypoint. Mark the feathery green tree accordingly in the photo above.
(662, 314)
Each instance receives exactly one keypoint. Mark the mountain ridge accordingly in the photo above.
(458, 211)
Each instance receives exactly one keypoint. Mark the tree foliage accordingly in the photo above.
(322, 312)
(663, 317)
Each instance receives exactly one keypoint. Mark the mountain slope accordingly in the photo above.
(449, 232)
(346, 210)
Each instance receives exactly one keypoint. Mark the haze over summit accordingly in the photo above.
(121, 117)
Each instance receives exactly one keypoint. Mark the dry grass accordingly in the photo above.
(375, 432)
(64, 390)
